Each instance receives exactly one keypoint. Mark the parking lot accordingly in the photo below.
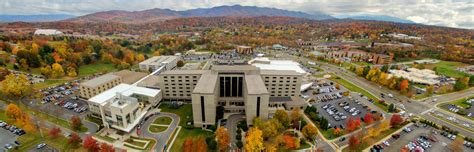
(418, 136)
(469, 112)
(334, 106)
(465, 124)
(7, 137)
(46, 148)
(62, 101)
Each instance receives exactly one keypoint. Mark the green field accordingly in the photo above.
(162, 121)
(148, 147)
(448, 68)
(461, 102)
(86, 70)
(185, 112)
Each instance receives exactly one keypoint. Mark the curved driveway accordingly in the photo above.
(162, 137)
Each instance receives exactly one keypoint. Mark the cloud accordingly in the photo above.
(452, 13)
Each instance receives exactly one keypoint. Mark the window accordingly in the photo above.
(203, 114)
(258, 106)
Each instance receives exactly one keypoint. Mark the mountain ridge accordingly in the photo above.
(158, 14)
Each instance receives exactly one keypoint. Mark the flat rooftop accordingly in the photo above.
(266, 64)
(255, 84)
(207, 84)
(159, 59)
(130, 77)
(100, 80)
(124, 89)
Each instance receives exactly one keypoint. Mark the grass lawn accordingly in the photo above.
(363, 64)
(461, 102)
(448, 68)
(185, 112)
(370, 141)
(162, 121)
(106, 138)
(49, 83)
(90, 69)
(188, 133)
(157, 129)
(355, 88)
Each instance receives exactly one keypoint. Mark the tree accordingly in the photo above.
(396, 120)
(368, 118)
(459, 85)
(104, 147)
(200, 145)
(270, 128)
(57, 70)
(337, 131)
(391, 108)
(223, 138)
(188, 145)
(46, 71)
(140, 58)
(76, 123)
(54, 132)
(323, 123)
(16, 86)
(309, 131)
(90, 144)
(74, 140)
(353, 142)
(429, 90)
(295, 115)
(254, 140)
(471, 80)
(13, 111)
(337, 86)
(71, 71)
(404, 85)
(180, 63)
(220, 112)
(457, 145)
(352, 124)
(282, 117)
(291, 142)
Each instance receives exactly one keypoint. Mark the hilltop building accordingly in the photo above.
(238, 88)
(47, 32)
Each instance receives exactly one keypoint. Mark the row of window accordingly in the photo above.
(179, 77)
(267, 77)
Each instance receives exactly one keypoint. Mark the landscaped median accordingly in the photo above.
(139, 143)
(160, 124)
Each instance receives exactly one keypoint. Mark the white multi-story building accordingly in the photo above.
(153, 63)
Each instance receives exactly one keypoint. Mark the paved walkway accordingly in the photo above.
(162, 137)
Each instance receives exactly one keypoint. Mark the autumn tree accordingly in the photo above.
(188, 145)
(352, 124)
(90, 144)
(54, 132)
(295, 115)
(74, 140)
(46, 71)
(353, 142)
(396, 120)
(270, 128)
(200, 145)
(13, 111)
(16, 86)
(57, 70)
(338, 86)
(368, 118)
(71, 72)
(180, 63)
(291, 142)
(223, 138)
(282, 117)
(457, 145)
(76, 123)
(254, 140)
(404, 86)
(104, 147)
(309, 131)
(429, 90)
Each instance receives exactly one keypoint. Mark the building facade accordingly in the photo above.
(238, 88)
(98, 85)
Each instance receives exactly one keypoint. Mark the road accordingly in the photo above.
(415, 107)
(162, 137)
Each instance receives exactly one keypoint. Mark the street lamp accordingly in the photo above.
(299, 126)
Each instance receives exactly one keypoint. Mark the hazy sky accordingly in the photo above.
(452, 13)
